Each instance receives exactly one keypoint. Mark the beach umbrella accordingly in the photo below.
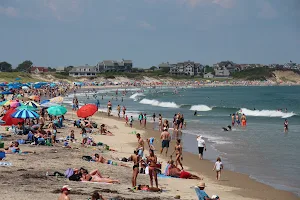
(26, 107)
(32, 103)
(9, 120)
(58, 99)
(12, 103)
(6, 92)
(57, 110)
(25, 114)
(17, 79)
(49, 104)
(2, 84)
(25, 87)
(87, 110)
(45, 101)
(34, 98)
(2, 103)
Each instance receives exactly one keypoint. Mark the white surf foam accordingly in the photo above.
(154, 102)
(201, 108)
(266, 113)
(136, 95)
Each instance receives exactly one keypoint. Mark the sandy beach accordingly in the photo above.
(26, 178)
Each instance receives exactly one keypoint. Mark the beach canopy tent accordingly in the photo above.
(18, 78)
(26, 107)
(57, 110)
(25, 114)
(87, 110)
(9, 120)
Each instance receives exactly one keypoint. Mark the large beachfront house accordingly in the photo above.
(225, 68)
(86, 70)
(114, 66)
(189, 68)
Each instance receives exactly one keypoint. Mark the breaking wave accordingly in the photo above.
(201, 108)
(154, 102)
(266, 113)
(136, 95)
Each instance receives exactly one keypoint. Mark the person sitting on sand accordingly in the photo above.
(147, 188)
(104, 131)
(14, 148)
(95, 176)
(101, 159)
(65, 191)
(97, 196)
(201, 194)
(176, 172)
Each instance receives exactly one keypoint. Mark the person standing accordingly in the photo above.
(286, 124)
(109, 107)
(201, 146)
(232, 119)
(119, 110)
(141, 145)
(135, 158)
(145, 120)
(165, 143)
(65, 191)
(152, 162)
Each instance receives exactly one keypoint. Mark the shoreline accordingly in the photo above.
(242, 184)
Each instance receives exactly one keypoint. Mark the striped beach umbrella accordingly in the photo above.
(57, 99)
(25, 107)
(57, 110)
(25, 114)
(32, 103)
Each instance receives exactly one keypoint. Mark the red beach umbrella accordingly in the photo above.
(9, 120)
(87, 110)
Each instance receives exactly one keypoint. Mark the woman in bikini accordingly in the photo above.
(178, 152)
(95, 176)
(159, 122)
(152, 162)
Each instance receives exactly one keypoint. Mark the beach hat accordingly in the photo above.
(66, 188)
(201, 184)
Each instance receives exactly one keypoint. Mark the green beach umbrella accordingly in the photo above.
(2, 103)
(25, 107)
(57, 110)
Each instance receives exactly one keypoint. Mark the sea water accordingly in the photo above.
(261, 149)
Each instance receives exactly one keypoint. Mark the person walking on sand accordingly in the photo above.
(218, 167)
(131, 121)
(152, 163)
(65, 191)
(141, 118)
(145, 120)
(201, 146)
(165, 143)
(286, 124)
(178, 151)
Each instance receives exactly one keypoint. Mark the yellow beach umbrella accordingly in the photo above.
(57, 99)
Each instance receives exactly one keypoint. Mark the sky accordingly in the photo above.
(59, 33)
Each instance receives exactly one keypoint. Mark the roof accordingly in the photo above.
(127, 61)
(77, 69)
(41, 69)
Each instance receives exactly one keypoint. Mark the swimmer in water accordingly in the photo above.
(195, 113)
(228, 128)
(286, 124)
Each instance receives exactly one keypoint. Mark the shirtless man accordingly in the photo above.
(135, 158)
(119, 110)
(165, 137)
(65, 191)
(141, 145)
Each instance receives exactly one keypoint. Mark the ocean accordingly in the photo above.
(261, 150)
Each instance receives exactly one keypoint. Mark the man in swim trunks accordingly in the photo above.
(141, 145)
(165, 137)
(135, 158)
(65, 191)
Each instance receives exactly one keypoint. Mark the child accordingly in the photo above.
(218, 167)
(126, 120)
(131, 121)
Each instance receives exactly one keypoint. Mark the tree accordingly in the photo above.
(209, 69)
(5, 67)
(153, 68)
(51, 69)
(69, 68)
(24, 66)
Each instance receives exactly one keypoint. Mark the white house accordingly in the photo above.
(88, 71)
(208, 75)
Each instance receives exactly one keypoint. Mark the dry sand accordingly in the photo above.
(26, 179)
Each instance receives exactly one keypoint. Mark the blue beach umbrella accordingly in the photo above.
(45, 101)
(6, 92)
(32, 103)
(25, 114)
(2, 84)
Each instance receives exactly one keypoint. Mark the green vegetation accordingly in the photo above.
(260, 73)
(11, 77)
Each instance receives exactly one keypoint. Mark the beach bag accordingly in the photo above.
(74, 177)
(87, 158)
(69, 172)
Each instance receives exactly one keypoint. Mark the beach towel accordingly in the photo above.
(5, 164)
(69, 172)
(163, 176)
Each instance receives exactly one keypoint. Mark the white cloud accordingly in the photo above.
(9, 11)
(267, 11)
(146, 25)
(222, 3)
(61, 9)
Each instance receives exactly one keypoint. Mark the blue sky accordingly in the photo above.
(76, 32)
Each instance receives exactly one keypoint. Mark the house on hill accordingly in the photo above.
(38, 70)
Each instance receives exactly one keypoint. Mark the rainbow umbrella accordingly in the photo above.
(12, 103)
